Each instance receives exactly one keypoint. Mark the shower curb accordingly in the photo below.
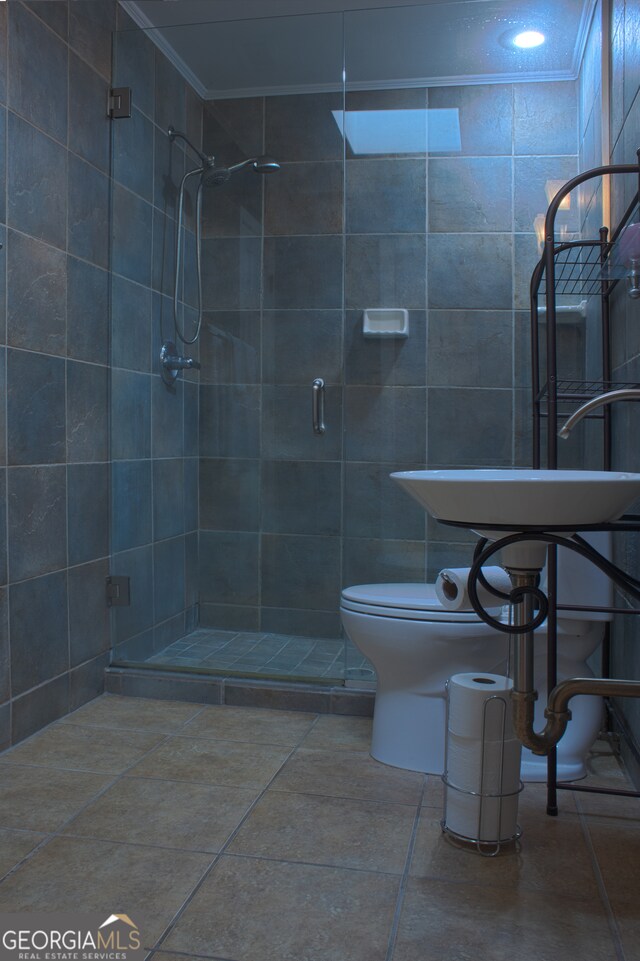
(277, 695)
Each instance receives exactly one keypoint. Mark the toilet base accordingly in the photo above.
(409, 731)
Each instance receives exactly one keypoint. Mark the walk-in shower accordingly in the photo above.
(237, 521)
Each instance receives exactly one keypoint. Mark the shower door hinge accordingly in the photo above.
(119, 103)
(118, 592)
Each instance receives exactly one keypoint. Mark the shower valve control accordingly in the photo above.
(172, 362)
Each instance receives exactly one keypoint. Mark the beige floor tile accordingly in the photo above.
(74, 748)
(333, 732)
(551, 856)
(617, 848)
(458, 922)
(259, 725)
(135, 713)
(373, 835)
(150, 884)
(614, 807)
(628, 922)
(15, 845)
(213, 762)
(193, 817)
(42, 799)
(348, 774)
(253, 910)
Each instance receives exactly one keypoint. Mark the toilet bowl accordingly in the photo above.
(415, 645)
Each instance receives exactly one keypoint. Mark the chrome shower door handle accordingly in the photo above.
(317, 405)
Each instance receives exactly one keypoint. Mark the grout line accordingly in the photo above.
(614, 930)
(395, 924)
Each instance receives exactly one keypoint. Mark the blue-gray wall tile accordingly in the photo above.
(231, 273)
(230, 347)
(88, 612)
(36, 179)
(302, 127)
(130, 325)
(169, 578)
(279, 620)
(229, 421)
(54, 13)
(468, 428)
(300, 345)
(470, 271)
(169, 167)
(545, 113)
(88, 212)
(475, 104)
(531, 175)
(88, 126)
(87, 414)
(470, 348)
(138, 617)
(5, 653)
(385, 424)
(233, 129)
(37, 295)
(163, 256)
(132, 234)
(304, 199)
(191, 494)
(229, 494)
(375, 506)
(35, 408)
(3, 53)
(169, 95)
(300, 572)
(303, 272)
(30, 91)
(87, 312)
(134, 66)
(3, 527)
(39, 634)
(168, 498)
(130, 415)
(227, 617)
(88, 511)
(387, 270)
(36, 709)
(233, 209)
(385, 361)
(470, 194)
(90, 30)
(287, 429)
(167, 406)
(87, 681)
(301, 497)
(133, 154)
(131, 504)
(369, 561)
(3, 163)
(229, 572)
(40, 494)
(190, 431)
(386, 196)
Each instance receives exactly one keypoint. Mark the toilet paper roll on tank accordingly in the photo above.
(452, 592)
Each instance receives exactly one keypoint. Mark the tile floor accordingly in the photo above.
(253, 835)
(280, 655)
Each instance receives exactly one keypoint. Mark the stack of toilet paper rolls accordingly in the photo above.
(482, 776)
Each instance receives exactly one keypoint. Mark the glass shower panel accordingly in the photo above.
(227, 504)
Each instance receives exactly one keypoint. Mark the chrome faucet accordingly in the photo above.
(610, 397)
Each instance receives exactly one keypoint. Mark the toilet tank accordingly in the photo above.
(581, 582)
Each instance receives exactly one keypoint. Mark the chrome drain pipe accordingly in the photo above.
(524, 695)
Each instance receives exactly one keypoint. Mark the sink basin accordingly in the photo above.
(549, 499)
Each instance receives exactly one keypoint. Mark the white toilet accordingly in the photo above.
(415, 645)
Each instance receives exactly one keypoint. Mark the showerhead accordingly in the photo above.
(213, 176)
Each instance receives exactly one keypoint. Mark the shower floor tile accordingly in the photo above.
(243, 652)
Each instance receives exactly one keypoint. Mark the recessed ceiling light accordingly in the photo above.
(528, 39)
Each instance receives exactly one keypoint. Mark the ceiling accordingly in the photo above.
(235, 48)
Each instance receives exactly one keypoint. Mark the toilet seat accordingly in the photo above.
(413, 602)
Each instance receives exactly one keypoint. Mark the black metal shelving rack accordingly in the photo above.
(574, 268)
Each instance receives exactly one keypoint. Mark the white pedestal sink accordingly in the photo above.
(516, 499)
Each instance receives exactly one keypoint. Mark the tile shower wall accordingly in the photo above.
(154, 492)
(288, 517)
(55, 68)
